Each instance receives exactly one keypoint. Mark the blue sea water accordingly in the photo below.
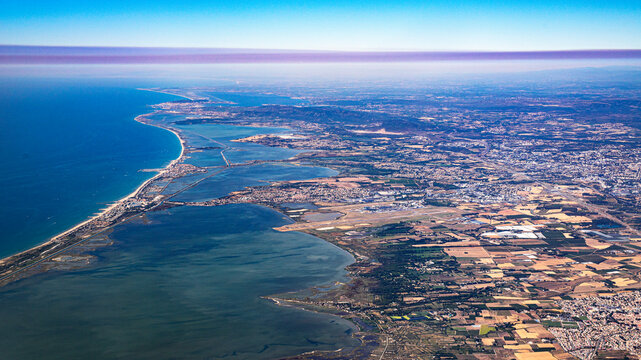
(67, 149)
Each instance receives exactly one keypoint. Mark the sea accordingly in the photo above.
(187, 282)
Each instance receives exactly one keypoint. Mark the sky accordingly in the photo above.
(437, 25)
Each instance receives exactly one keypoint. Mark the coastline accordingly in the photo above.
(133, 193)
(45, 252)
(12, 266)
(44, 248)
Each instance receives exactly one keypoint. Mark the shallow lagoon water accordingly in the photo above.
(238, 178)
(185, 282)
(249, 99)
(214, 135)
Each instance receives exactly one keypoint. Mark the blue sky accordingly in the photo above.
(344, 25)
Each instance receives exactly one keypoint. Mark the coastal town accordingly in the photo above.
(483, 225)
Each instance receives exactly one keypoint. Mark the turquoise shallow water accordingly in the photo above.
(186, 282)
(68, 148)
